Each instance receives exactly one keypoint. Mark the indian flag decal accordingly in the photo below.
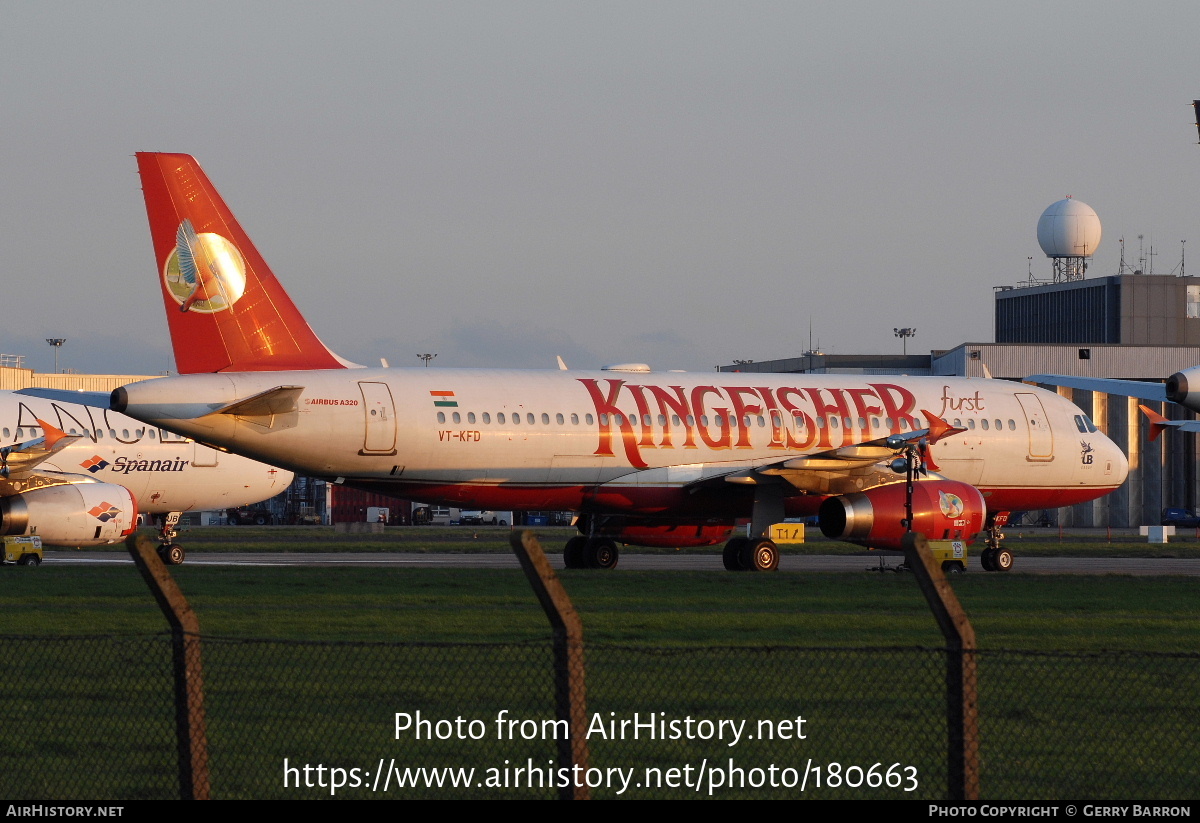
(444, 398)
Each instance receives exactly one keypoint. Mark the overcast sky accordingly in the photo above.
(677, 183)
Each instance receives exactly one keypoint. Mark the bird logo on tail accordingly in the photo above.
(205, 273)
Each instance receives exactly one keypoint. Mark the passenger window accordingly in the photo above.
(1012, 425)
(574, 419)
(545, 419)
(558, 418)
(619, 418)
(516, 419)
(704, 420)
(457, 417)
(833, 422)
(984, 423)
(603, 419)
(487, 418)
(441, 417)
(588, 419)
(500, 418)
(691, 420)
(152, 434)
(662, 420)
(529, 418)
(470, 417)
(971, 423)
(675, 420)
(999, 425)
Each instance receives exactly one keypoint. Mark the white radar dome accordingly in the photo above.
(1069, 228)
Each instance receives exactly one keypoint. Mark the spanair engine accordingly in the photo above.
(942, 510)
(73, 515)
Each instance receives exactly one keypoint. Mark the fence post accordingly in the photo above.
(190, 731)
(569, 671)
(962, 707)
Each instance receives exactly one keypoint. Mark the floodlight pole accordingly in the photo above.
(57, 343)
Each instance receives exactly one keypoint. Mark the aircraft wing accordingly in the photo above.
(849, 468)
(95, 399)
(1129, 388)
(1159, 424)
(18, 460)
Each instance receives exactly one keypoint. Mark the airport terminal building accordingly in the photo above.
(1131, 326)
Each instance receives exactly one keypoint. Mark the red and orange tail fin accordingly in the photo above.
(226, 310)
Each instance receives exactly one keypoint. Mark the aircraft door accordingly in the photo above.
(379, 418)
(1041, 438)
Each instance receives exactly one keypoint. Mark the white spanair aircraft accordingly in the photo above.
(77, 476)
(645, 458)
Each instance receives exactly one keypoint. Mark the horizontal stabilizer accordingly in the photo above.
(279, 400)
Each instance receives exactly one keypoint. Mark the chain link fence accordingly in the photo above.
(93, 718)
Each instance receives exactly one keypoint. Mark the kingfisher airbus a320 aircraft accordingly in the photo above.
(645, 458)
(77, 476)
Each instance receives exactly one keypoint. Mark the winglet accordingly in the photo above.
(1158, 423)
(51, 434)
(939, 428)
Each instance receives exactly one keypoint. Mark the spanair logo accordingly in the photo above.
(950, 504)
(104, 512)
(205, 273)
(95, 464)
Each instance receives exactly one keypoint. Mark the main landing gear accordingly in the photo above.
(170, 552)
(756, 554)
(591, 553)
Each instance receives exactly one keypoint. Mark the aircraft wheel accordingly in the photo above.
(987, 559)
(731, 556)
(172, 555)
(600, 553)
(573, 553)
(760, 555)
(1003, 560)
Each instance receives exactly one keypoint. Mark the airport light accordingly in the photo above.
(904, 334)
(57, 343)
(426, 357)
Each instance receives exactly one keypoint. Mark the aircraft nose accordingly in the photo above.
(1120, 463)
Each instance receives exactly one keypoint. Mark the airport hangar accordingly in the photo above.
(1128, 326)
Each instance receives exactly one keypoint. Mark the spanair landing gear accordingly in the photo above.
(750, 554)
(590, 553)
(171, 552)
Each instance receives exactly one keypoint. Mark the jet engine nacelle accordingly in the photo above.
(1183, 387)
(665, 536)
(942, 510)
(73, 514)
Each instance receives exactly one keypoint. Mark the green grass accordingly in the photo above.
(308, 670)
